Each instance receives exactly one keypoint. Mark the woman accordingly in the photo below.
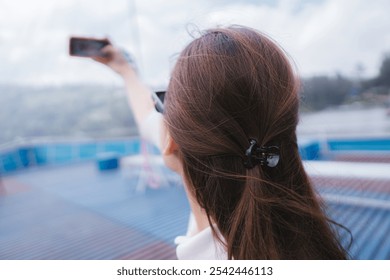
(228, 127)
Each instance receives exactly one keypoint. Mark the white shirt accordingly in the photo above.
(194, 245)
(197, 245)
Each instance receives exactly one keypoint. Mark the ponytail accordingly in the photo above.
(251, 222)
(272, 222)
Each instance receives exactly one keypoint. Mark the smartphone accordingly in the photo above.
(87, 47)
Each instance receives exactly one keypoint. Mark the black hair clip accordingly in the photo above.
(267, 155)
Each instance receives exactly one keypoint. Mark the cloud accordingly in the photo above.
(323, 36)
(338, 35)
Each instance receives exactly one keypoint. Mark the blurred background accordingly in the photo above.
(62, 116)
(341, 50)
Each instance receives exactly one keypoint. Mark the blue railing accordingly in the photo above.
(378, 144)
(38, 154)
(321, 150)
(26, 155)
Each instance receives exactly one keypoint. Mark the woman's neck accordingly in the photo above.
(202, 222)
(200, 215)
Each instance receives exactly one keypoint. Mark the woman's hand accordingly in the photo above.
(116, 60)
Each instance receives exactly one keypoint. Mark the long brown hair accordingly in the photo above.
(228, 86)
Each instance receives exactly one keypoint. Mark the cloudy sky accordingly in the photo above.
(322, 36)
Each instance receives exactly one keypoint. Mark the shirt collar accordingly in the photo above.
(201, 246)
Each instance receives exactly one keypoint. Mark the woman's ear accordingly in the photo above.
(169, 150)
(169, 145)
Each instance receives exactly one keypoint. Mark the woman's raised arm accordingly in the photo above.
(138, 94)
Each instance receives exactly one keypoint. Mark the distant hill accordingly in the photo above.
(73, 111)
